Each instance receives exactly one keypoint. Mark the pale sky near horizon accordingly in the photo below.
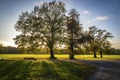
(105, 14)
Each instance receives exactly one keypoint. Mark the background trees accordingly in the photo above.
(9, 50)
(98, 40)
(104, 43)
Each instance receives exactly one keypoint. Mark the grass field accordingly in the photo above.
(13, 67)
(43, 70)
(59, 56)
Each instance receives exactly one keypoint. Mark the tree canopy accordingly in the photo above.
(49, 24)
(42, 26)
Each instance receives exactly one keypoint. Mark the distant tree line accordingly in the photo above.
(9, 50)
(80, 51)
(112, 51)
(50, 25)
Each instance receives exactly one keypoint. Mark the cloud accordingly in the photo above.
(99, 18)
(38, 3)
(86, 12)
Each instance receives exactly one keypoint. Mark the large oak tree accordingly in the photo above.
(42, 26)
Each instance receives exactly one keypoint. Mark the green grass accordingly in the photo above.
(43, 70)
(105, 57)
(59, 56)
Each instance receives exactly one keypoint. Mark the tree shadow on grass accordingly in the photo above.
(73, 71)
(42, 70)
(15, 70)
(46, 71)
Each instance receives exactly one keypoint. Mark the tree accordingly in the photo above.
(74, 29)
(85, 40)
(101, 40)
(98, 40)
(94, 41)
(103, 36)
(43, 26)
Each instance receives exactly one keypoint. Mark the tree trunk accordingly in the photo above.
(101, 55)
(52, 44)
(52, 53)
(71, 55)
(95, 54)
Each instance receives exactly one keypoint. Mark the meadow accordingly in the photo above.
(14, 67)
(59, 56)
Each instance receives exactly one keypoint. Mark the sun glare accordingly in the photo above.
(8, 43)
(62, 46)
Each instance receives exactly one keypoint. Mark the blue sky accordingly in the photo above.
(105, 14)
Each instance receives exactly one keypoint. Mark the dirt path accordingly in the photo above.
(107, 70)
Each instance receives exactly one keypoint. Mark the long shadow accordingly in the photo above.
(15, 70)
(47, 71)
(74, 72)
(44, 70)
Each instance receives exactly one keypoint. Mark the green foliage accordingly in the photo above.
(97, 40)
(74, 30)
(41, 27)
(47, 26)
(43, 70)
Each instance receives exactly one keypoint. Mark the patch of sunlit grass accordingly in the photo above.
(105, 57)
(59, 56)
